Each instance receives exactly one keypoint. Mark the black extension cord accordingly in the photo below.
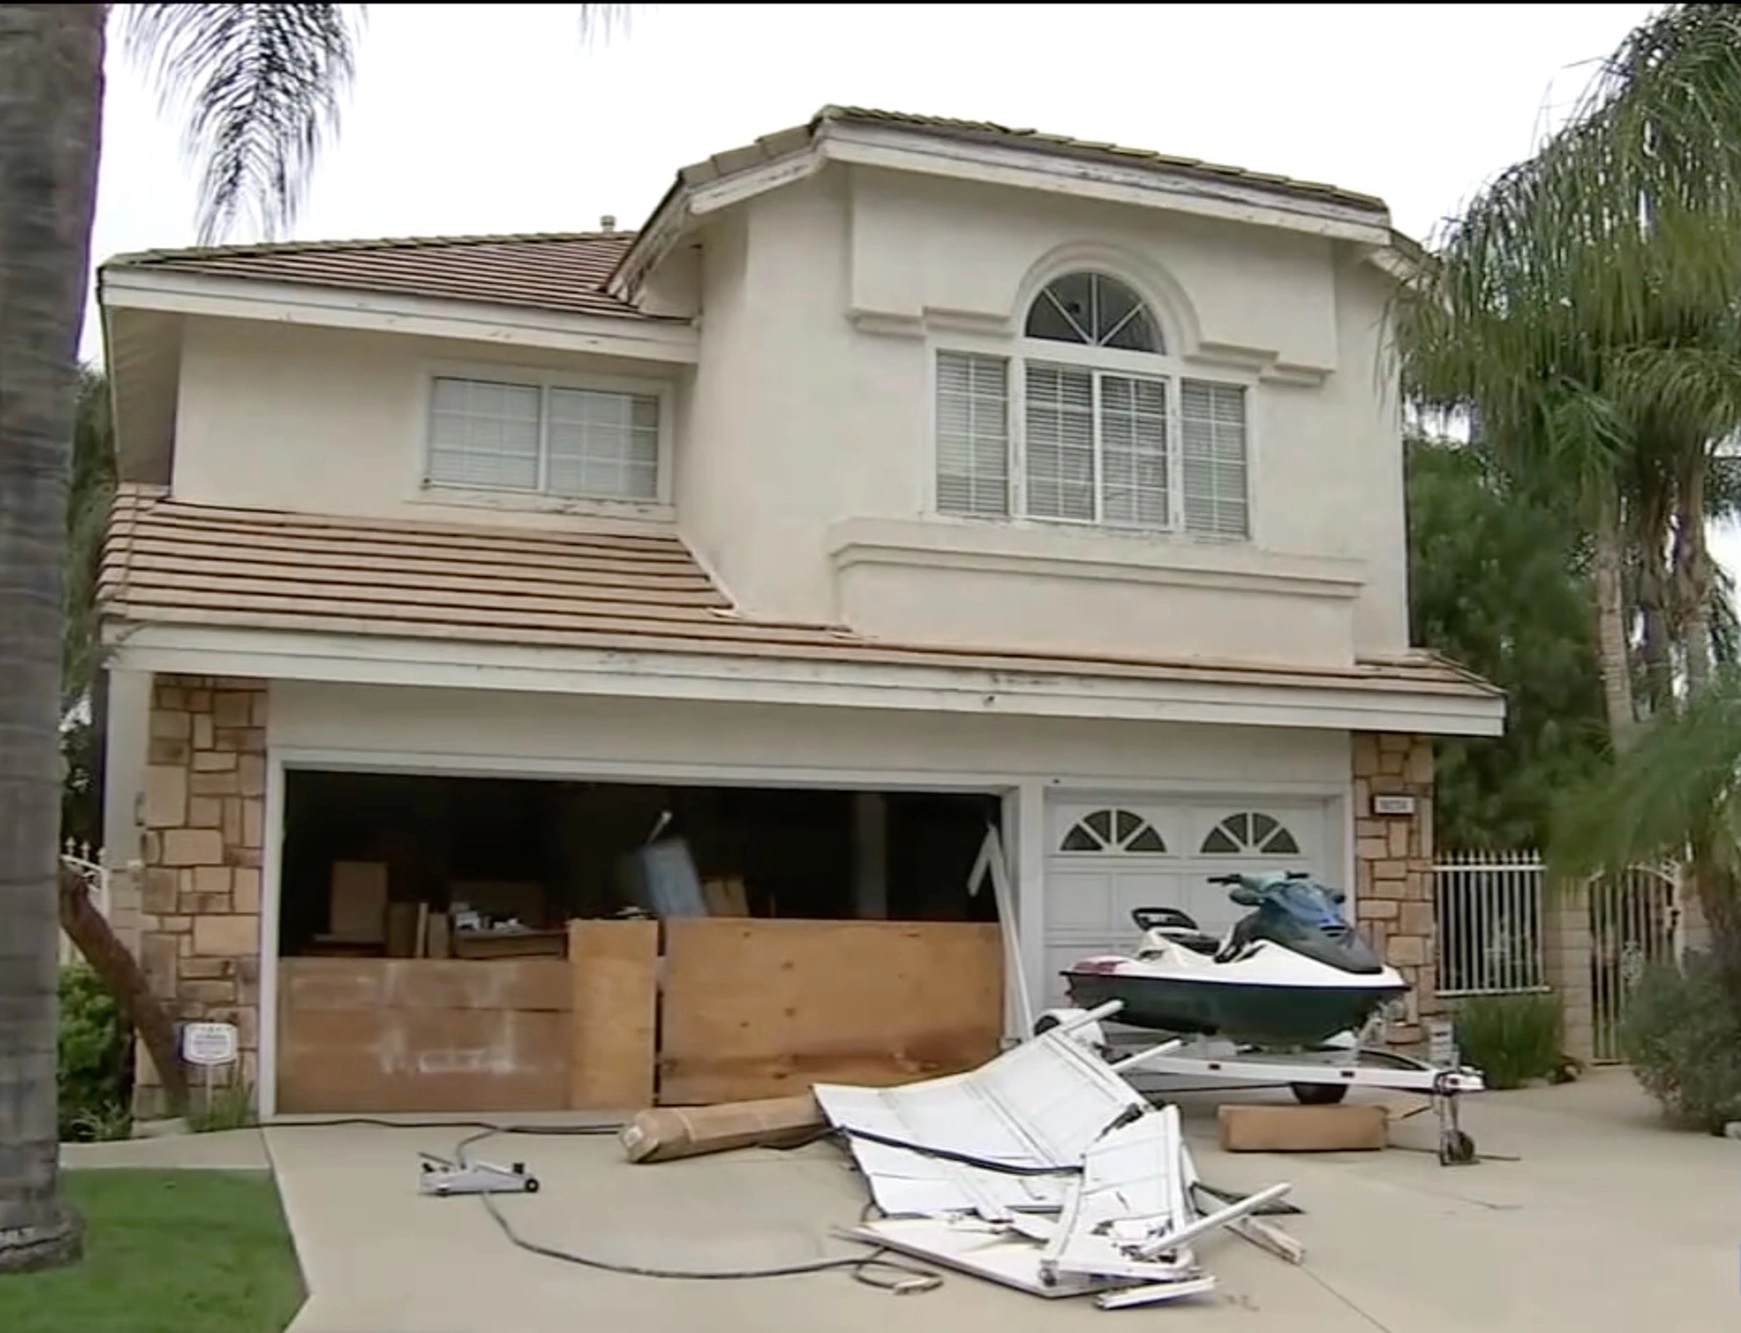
(863, 1268)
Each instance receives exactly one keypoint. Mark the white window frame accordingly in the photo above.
(1021, 351)
(544, 379)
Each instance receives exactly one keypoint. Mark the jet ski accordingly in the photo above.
(1292, 974)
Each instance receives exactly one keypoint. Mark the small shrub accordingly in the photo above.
(93, 1074)
(1683, 1039)
(1511, 1039)
(231, 1106)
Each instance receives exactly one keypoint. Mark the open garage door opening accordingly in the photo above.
(451, 943)
(367, 856)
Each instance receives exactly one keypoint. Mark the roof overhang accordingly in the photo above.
(1426, 708)
(793, 155)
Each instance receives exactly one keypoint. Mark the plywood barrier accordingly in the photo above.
(615, 976)
(422, 1035)
(766, 1008)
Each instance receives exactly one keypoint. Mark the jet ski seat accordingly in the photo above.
(1179, 927)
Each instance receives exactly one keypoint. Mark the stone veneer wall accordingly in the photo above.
(1393, 868)
(204, 812)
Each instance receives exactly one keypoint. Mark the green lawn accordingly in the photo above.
(166, 1252)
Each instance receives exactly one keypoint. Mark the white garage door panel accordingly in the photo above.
(1107, 857)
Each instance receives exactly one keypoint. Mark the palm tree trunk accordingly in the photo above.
(122, 977)
(51, 79)
(1692, 569)
(1612, 639)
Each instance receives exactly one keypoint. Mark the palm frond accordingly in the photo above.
(1678, 785)
(599, 23)
(260, 87)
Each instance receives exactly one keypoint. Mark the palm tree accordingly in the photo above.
(1676, 795)
(1582, 310)
(259, 86)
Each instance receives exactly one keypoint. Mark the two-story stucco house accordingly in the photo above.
(899, 474)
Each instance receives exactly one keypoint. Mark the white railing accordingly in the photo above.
(87, 862)
(1491, 926)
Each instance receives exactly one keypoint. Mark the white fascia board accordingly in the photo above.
(724, 678)
(1151, 186)
(379, 312)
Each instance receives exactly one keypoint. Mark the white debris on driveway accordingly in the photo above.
(1043, 1170)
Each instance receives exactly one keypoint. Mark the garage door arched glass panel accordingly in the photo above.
(1112, 831)
(1250, 833)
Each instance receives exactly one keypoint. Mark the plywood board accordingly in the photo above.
(764, 1008)
(414, 1035)
(614, 968)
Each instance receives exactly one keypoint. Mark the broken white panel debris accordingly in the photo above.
(1038, 1106)
(1122, 1214)
(968, 1245)
(1124, 1298)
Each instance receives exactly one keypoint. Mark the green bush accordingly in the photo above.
(1683, 1039)
(94, 1072)
(1511, 1039)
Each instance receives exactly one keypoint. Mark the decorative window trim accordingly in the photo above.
(1112, 831)
(538, 498)
(1250, 833)
(1019, 354)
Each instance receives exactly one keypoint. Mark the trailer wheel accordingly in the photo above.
(1044, 1024)
(1319, 1094)
(1456, 1149)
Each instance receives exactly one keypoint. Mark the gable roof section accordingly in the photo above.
(563, 272)
(170, 563)
(789, 154)
(785, 142)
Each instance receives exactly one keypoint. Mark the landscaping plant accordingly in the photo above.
(1511, 1039)
(1684, 1042)
(94, 1081)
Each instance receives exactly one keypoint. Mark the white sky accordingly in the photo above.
(473, 118)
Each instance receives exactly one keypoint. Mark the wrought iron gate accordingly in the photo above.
(1634, 922)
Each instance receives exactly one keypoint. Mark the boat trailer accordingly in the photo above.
(1318, 1077)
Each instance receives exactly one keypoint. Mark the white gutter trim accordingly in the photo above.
(722, 678)
(226, 297)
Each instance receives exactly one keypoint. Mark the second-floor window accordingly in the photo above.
(1088, 426)
(543, 438)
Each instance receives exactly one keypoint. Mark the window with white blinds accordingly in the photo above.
(973, 434)
(1085, 432)
(1091, 446)
(554, 440)
(1212, 424)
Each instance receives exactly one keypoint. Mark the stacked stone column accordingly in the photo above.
(203, 811)
(1393, 868)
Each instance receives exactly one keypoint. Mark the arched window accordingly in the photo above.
(1092, 425)
(1250, 833)
(1112, 831)
(1095, 311)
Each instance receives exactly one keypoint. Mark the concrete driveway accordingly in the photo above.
(1607, 1222)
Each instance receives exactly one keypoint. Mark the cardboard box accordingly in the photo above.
(358, 901)
(726, 896)
(1303, 1128)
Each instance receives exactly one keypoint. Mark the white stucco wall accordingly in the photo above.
(335, 421)
(697, 743)
(802, 441)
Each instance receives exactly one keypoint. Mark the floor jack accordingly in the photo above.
(442, 1177)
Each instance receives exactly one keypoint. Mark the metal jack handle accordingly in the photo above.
(1455, 1147)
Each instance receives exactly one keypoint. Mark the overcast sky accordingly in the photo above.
(473, 118)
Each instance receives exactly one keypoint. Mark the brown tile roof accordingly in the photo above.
(559, 272)
(785, 142)
(167, 562)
